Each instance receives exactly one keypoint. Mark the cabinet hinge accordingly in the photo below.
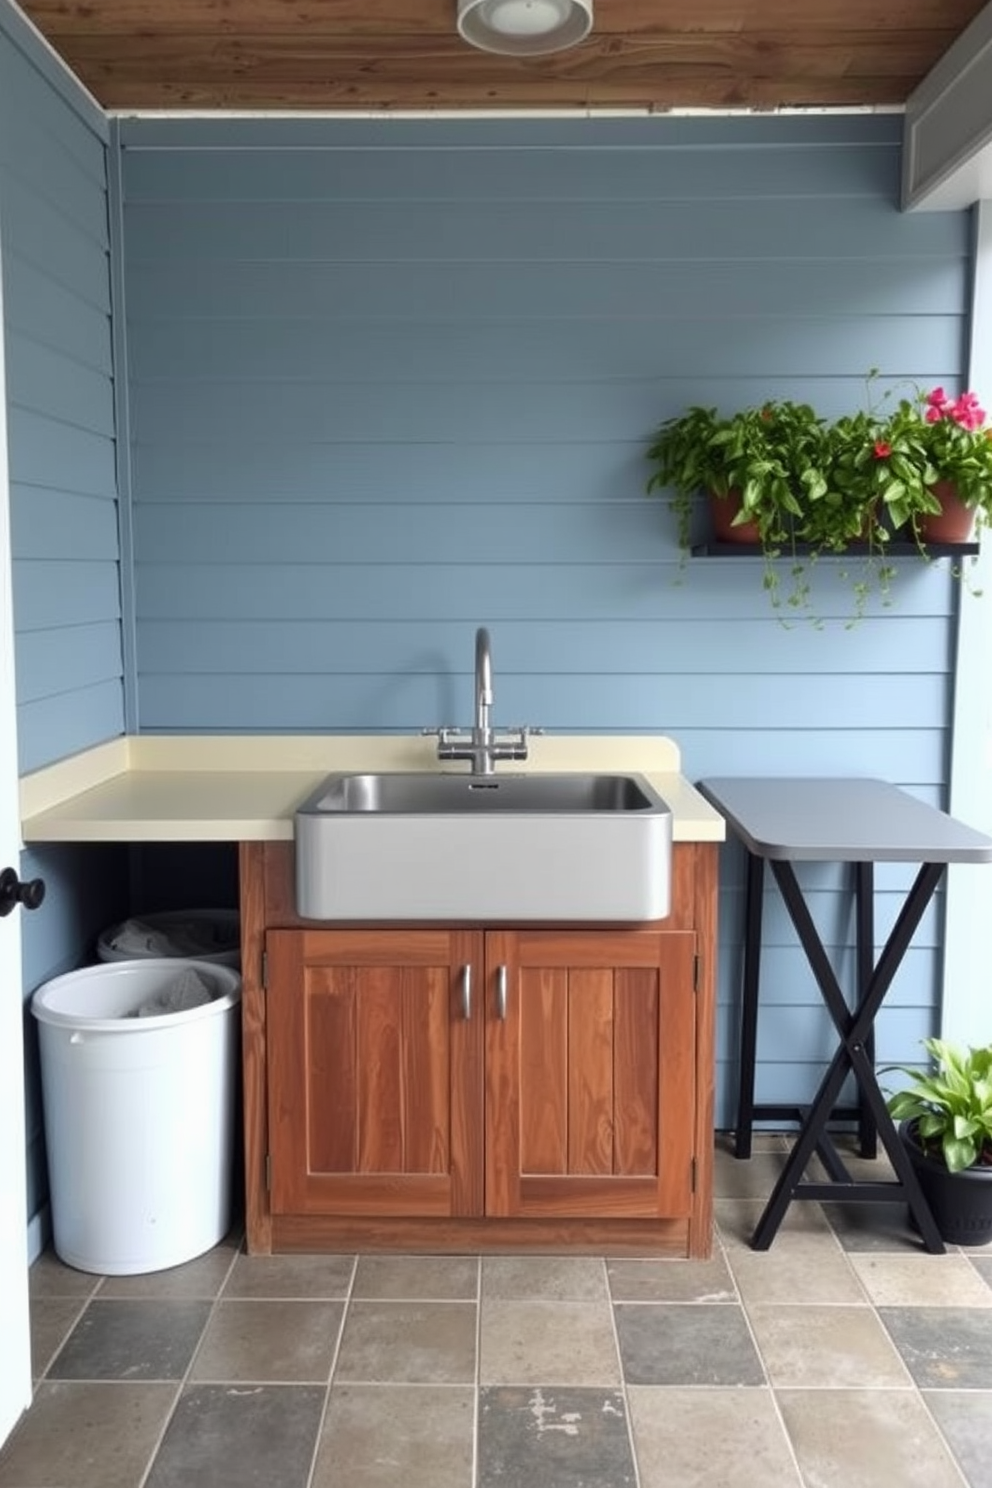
(268, 1172)
(265, 970)
(692, 1176)
(695, 973)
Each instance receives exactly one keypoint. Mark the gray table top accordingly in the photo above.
(823, 819)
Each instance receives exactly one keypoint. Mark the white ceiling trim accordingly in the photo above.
(947, 141)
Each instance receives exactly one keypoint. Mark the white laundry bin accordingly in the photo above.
(139, 1113)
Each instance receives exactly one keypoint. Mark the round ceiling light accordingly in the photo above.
(524, 28)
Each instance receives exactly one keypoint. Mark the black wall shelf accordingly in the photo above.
(856, 550)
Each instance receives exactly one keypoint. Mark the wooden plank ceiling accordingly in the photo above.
(407, 54)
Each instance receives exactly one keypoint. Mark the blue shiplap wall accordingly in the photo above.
(393, 379)
(55, 257)
(54, 248)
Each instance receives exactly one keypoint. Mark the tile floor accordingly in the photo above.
(844, 1357)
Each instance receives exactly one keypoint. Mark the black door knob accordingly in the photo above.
(14, 892)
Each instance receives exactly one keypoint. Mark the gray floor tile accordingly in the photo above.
(737, 1220)
(133, 1340)
(749, 1178)
(397, 1436)
(52, 1320)
(725, 1438)
(790, 1272)
(86, 1436)
(671, 1280)
(945, 1348)
(558, 1343)
(686, 1345)
(921, 1280)
(290, 1276)
(417, 1278)
(871, 1226)
(408, 1342)
(544, 1278)
(224, 1437)
(983, 1265)
(50, 1277)
(965, 1418)
(553, 1437)
(866, 1439)
(270, 1342)
(826, 1347)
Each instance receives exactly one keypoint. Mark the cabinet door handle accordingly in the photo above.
(466, 992)
(501, 985)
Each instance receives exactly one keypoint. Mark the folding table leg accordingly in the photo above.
(753, 892)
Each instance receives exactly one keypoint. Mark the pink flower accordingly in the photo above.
(882, 450)
(932, 415)
(937, 401)
(967, 413)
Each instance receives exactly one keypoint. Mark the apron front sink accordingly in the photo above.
(568, 848)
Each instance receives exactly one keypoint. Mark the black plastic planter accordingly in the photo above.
(961, 1203)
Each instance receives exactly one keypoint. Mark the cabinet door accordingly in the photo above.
(589, 1074)
(375, 1072)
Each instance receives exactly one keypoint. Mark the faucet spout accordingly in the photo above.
(481, 745)
(483, 683)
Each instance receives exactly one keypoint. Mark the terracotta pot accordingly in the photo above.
(723, 510)
(961, 1203)
(955, 521)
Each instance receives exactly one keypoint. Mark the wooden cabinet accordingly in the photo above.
(509, 1073)
(588, 1073)
(375, 1073)
(445, 1088)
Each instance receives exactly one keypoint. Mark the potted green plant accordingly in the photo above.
(765, 471)
(946, 1128)
(758, 460)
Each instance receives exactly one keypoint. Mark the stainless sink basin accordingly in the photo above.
(536, 847)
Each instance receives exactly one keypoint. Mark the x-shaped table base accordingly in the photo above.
(853, 1055)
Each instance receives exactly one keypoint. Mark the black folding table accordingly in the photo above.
(859, 822)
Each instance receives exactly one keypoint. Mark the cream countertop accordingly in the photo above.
(239, 788)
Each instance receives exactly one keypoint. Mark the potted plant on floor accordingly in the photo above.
(945, 1117)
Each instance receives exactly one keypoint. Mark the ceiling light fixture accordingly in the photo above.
(524, 28)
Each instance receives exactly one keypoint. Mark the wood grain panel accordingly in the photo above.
(369, 18)
(544, 1055)
(254, 1047)
(425, 1060)
(591, 1072)
(588, 1197)
(677, 1075)
(636, 1017)
(706, 856)
(380, 1121)
(644, 71)
(614, 1236)
(332, 1071)
(407, 53)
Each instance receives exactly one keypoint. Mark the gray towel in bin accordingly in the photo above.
(187, 990)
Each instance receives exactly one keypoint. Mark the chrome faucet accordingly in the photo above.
(482, 734)
(481, 744)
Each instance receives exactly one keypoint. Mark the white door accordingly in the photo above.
(15, 1348)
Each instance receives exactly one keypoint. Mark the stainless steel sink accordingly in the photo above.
(536, 847)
